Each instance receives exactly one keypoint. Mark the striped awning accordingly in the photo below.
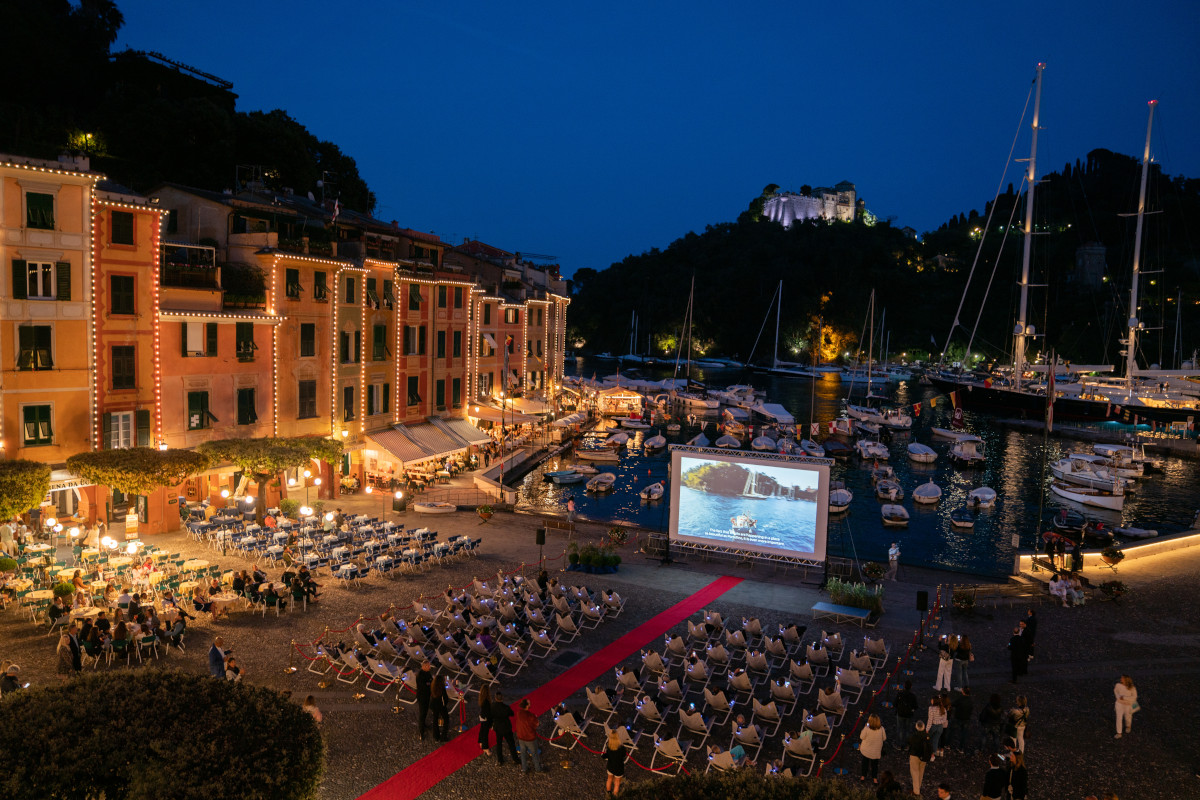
(436, 442)
(461, 430)
(395, 442)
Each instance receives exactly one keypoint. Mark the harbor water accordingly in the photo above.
(1165, 501)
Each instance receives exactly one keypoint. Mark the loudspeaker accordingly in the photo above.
(540, 537)
(922, 600)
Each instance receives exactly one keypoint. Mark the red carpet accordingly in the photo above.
(460, 751)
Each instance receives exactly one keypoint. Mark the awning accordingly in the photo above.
(527, 405)
(433, 440)
(64, 479)
(490, 414)
(393, 441)
(462, 430)
(491, 340)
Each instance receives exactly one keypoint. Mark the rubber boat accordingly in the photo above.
(729, 442)
(765, 443)
(655, 443)
(889, 490)
(434, 508)
(812, 448)
(983, 497)
(839, 497)
(962, 518)
(922, 453)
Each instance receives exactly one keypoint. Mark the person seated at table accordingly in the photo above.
(83, 599)
(239, 584)
(310, 586)
(269, 521)
(271, 596)
(175, 635)
(110, 595)
(121, 634)
(214, 586)
(134, 606)
(287, 557)
(232, 671)
(258, 575)
(77, 582)
(57, 610)
(102, 623)
(1075, 590)
(124, 597)
(201, 602)
(93, 639)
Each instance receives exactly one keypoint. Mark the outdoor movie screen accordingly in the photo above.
(748, 503)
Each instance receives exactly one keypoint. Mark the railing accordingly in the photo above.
(191, 276)
(458, 496)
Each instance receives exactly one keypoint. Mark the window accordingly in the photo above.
(245, 341)
(344, 347)
(372, 295)
(39, 210)
(308, 339)
(441, 344)
(357, 346)
(458, 297)
(120, 227)
(414, 297)
(414, 340)
(539, 316)
(538, 348)
(199, 339)
(124, 367)
(41, 280)
(414, 394)
(320, 288)
(440, 394)
(350, 291)
(292, 283)
(378, 398)
(441, 297)
(512, 316)
(126, 429)
(456, 352)
(36, 428)
(199, 417)
(529, 347)
(35, 347)
(246, 415)
(379, 348)
(456, 392)
(120, 294)
(173, 221)
(487, 314)
(306, 394)
(347, 403)
(389, 298)
(485, 349)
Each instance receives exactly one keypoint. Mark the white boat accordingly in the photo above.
(655, 442)
(922, 453)
(883, 472)
(894, 418)
(894, 516)
(693, 400)
(872, 428)
(1088, 497)
(602, 482)
(1135, 533)
(968, 450)
(699, 440)
(812, 448)
(1084, 473)
(734, 428)
(742, 523)
(434, 508)
(842, 426)
(602, 455)
(674, 427)
(983, 497)
(864, 414)
(633, 424)
(927, 493)
(617, 440)
(652, 492)
(586, 469)
(1135, 454)
(889, 490)
(570, 477)
(839, 497)
(962, 518)
(1124, 469)
(946, 433)
(763, 443)
(729, 442)
(868, 449)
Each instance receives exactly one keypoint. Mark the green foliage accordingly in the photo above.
(1112, 554)
(743, 784)
(63, 589)
(8, 564)
(289, 507)
(856, 595)
(963, 599)
(873, 570)
(137, 470)
(23, 484)
(181, 737)
(266, 458)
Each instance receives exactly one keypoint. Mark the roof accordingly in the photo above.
(432, 238)
(473, 247)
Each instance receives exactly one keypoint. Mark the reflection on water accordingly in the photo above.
(1165, 502)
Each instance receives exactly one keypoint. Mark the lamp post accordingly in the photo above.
(502, 446)
(384, 496)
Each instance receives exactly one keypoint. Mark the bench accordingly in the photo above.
(836, 613)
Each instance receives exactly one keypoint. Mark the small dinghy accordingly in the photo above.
(602, 455)
(602, 482)
(655, 443)
(434, 508)
(839, 450)
(889, 490)
(764, 443)
(652, 492)
(570, 477)
(962, 518)
(558, 473)
(983, 497)
(927, 493)
(729, 442)
(882, 472)
(1114, 501)
(922, 453)
(812, 448)
(674, 427)
(839, 497)
(634, 424)
(617, 440)
(1135, 533)
(868, 449)
(894, 516)
(586, 469)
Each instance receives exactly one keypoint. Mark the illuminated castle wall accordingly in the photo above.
(837, 203)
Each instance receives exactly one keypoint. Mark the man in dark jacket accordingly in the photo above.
(1018, 654)
(920, 749)
(995, 780)
(992, 721)
(906, 706)
(963, 709)
(424, 692)
(216, 658)
(502, 725)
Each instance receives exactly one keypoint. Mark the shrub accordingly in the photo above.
(963, 599)
(746, 785)
(289, 507)
(856, 595)
(873, 570)
(8, 564)
(1112, 554)
(63, 589)
(181, 736)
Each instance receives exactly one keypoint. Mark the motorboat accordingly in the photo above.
(842, 426)
(602, 482)
(765, 443)
(1084, 473)
(946, 433)
(882, 472)
(694, 400)
(729, 442)
(864, 413)
(603, 455)
(983, 497)
(836, 449)
(617, 440)
(1135, 533)
(922, 453)
(653, 492)
(1121, 469)
(566, 476)
(812, 448)
(586, 469)
(1114, 501)
(549, 476)
(927, 493)
(674, 427)
(870, 427)
(734, 428)
(434, 508)
(962, 518)
(889, 490)
(897, 419)
(894, 516)
(655, 442)
(1135, 454)
(742, 523)
(839, 497)
(633, 424)
(699, 440)
(868, 449)
(1069, 520)
(968, 451)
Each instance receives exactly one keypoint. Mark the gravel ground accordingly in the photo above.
(1152, 634)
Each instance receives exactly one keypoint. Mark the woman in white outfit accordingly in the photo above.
(1126, 696)
(946, 648)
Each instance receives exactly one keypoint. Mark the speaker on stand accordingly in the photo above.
(539, 539)
(923, 607)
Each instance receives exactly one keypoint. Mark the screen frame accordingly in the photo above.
(821, 532)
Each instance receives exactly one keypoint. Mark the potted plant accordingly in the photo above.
(485, 512)
(1111, 555)
(63, 590)
(1112, 590)
(873, 570)
(617, 535)
(573, 555)
(8, 564)
(964, 600)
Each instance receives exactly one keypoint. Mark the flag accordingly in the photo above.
(1108, 411)
(337, 209)
(916, 409)
(954, 398)
(933, 402)
(813, 429)
(1050, 396)
(957, 420)
(507, 346)
(932, 340)
(832, 426)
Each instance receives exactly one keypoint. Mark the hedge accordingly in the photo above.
(743, 784)
(157, 735)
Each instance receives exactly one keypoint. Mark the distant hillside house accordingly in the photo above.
(839, 203)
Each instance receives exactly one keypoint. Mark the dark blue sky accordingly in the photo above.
(591, 133)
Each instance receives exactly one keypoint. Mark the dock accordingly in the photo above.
(1188, 448)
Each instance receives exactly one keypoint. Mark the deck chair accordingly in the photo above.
(833, 643)
(741, 685)
(719, 708)
(735, 642)
(863, 663)
(877, 650)
(713, 620)
(591, 615)
(629, 737)
(543, 642)
(791, 636)
(348, 669)
(818, 659)
(512, 660)
(783, 694)
(415, 653)
(766, 715)
(675, 651)
(613, 603)
(831, 707)
(649, 714)
(382, 676)
(697, 633)
(567, 630)
(653, 664)
(691, 722)
(536, 617)
(819, 725)
(385, 650)
(752, 631)
(561, 606)
(800, 748)
(670, 696)
(720, 760)
(362, 643)
(449, 663)
(322, 663)
(696, 675)
(850, 684)
(776, 651)
(425, 613)
(672, 751)
(567, 729)
(481, 670)
(749, 737)
(757, 667)
(718, 659)
(628, 687)
(599, 706)
(406, 687)
(802, 677)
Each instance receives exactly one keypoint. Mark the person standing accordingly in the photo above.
(614, 762)
(991, 719)
(525, 727)
(1126, 703)
(485, 719)
(1018, 777)
(943, 792)
(1018, 654)
(935, 724)
(962, 658)
(962, 709)
(872, 736)
(310, 705)
(216, 658)
(76, 648)
(424, 695)
(906, 706)
(995, 780)
(437, 704)
(1017, 718)
(919, 753)
(946, 647)
(1030, 632)
(63, 651)
(893, 562)
(502, 715)
(571, 509)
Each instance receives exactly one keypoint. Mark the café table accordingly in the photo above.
(40, 594)
(84, 613)
(225, 601)
(195, 564)
(19, 584)
(123, 561)
(37, 548)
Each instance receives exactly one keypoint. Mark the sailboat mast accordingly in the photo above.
(1131, 344)
(691, 322)
(778, 315)
(1030, 180)
(871, 346)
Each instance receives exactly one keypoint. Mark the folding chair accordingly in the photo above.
(832, 706)
(735, 642)
(591, 615)
(566, 727)
(767, 716)
(863, 664)
(629, 738)
(818, 659)
(648, 712)
(483, 672)
(406, 688)
(675, 651)
(783, 694)
(382, 676)
(614, 603)
(713, 620)
(567, 630)
(757, 668)
(800, 748)
(692, 723)
(720, 760)
(776, 652)
(536, 618)
(850, 684)
(833, 643)
(718, 659)
(628, 687)
(752, 631)
(385, 650)
(450, 664)
(512, 660)
(802, 677)
(670, 696)
(792, 638)
(748, 737)
(599, 703)
(653, 664)
(697, 634)
(543, 641)
(819, 725)
(322, 659)
(672, 751)
(718, 706)
(877, 650)
(742, 686)
(696, 675)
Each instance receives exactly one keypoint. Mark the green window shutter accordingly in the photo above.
(370, 401)
(407, 340)
(106, 441)
(20, 278)
(210, 338)
(183, 338)
(387, 397)
(62, 275)
(143, 427)
(421, 340)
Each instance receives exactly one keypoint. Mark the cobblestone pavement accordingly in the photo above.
(1152, 634)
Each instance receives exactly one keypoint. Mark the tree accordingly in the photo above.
(264, 459)
(182, 736)
(137, 470)
(23, 484)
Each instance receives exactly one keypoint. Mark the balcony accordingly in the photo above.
(190, 267)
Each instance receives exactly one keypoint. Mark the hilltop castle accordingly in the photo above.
(839, 203)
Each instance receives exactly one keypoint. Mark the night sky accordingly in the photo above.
(589, 133)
